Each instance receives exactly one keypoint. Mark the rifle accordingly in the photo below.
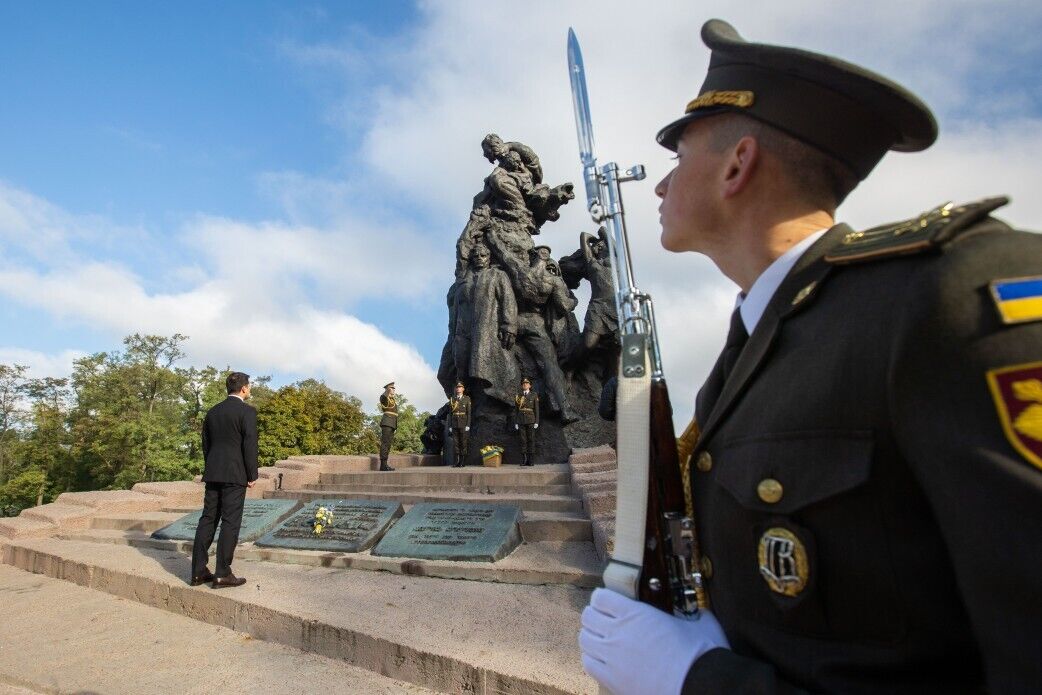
(655, 558)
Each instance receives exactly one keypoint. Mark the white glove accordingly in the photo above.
(633, 649)
(450, 430)
(535, 426)
(466, 429)
(517, 427)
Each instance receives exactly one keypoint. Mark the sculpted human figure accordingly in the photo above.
(601, 315)
(485, 324)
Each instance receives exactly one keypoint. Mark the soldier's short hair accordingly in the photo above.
(822, 180)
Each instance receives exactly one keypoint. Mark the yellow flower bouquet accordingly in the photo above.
(322, 521)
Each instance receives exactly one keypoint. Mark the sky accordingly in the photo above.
(284, 182)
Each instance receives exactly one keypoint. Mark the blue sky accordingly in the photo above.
(284, 182)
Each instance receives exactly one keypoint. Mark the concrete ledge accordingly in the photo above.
(598, 504)
(177, 493)
(145, 522)
(22, 527)
(597, 454)
(455, 637)
(114, 501)
(66, 516)
(549, 562)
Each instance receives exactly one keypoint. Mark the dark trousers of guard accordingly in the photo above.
(222, 501)
(527, 444)
(460, 438)
(386, 439)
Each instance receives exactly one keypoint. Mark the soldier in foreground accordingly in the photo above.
(388, 424)
(867, 483)
(526, 420)
(459, 423)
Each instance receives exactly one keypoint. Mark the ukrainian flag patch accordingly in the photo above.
(1018, 299)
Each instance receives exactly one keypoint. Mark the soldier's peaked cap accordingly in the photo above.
(387, 386)
(846, 111)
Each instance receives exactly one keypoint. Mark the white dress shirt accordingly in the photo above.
(752, 305)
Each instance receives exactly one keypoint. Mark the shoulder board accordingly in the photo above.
(929, 230)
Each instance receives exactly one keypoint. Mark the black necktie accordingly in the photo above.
(736, 339)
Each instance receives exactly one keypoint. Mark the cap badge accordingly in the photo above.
(1017, 392)
(741, 100)
(783, 561)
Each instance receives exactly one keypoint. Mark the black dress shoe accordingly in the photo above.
(230, 580)
(385, 467)
(202, 579)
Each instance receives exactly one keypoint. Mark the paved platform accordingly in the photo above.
(450, 636)
(56, 637)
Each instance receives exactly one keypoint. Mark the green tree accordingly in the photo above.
(309, 418)
(12, 389)
(47, 443)
(21, 491)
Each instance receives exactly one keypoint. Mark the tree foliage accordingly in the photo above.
(133, 415)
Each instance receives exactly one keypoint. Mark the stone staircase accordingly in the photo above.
(509, 630)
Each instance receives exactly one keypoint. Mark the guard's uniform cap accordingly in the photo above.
(526, 380)
(840, 108)
(390, 385)
(459, 384)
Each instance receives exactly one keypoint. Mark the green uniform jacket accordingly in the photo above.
(526, 408)
(389, 408)
(867, 524)
(459, 412)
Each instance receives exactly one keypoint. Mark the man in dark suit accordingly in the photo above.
(230, 450)
(526, 420)
(459, 423)
(867, 477)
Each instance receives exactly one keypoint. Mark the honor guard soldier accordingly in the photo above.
(459, 423)
(526, 420)
(388, 424)
(867, 482)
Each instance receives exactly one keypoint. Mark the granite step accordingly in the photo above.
(472, 475)
(146, 522)
(450, 636)
(572, 563)
(527, 502)
(438, 486)
(555, 526)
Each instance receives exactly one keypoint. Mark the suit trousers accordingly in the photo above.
(527, 439)
(386, 439)
(222, 501)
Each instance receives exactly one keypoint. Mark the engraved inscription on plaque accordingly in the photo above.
(258, 517)
(357, 525)
(454, 531)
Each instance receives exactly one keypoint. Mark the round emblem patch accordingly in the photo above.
(783, 561)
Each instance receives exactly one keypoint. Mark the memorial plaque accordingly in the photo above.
(454, 531)
(258, 517)
(357, 524)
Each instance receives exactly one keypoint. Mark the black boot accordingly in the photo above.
(459, 461)
(525, 461)
(384, 466)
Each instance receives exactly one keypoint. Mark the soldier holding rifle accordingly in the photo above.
(388, 423)
(867, 481)
(459, 423)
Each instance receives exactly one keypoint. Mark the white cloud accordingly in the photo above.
(644, 61)
(41, 364)
(248, 302)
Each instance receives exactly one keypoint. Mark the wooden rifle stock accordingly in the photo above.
(666, 503)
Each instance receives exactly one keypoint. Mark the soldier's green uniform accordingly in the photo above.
(526, 420)
(459, 424)
(867, 482)
(388, 424)
(867, 523)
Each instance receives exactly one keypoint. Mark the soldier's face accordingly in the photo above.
(459, 390)
(688, 211)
